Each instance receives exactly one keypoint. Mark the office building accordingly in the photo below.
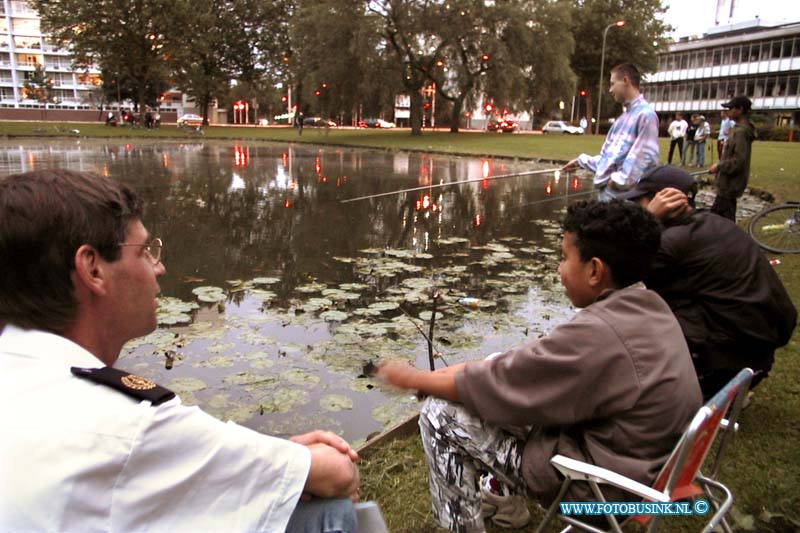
(753, 58)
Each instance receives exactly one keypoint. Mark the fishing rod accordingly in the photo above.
(428, 187)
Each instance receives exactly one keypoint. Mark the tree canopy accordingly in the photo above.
(348, 59)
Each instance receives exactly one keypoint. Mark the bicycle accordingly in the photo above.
(777, 229)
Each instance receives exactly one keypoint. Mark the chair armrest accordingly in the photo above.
(578, 470)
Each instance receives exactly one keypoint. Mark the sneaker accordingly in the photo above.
(505, 509)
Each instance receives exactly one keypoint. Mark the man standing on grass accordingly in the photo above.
(700, 137)
(733, 169)
(725, 128)
(631, 146)
(613, 387)
(677, 131)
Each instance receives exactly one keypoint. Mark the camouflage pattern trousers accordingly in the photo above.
(459, 447)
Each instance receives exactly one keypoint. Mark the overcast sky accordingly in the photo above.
(694, 17)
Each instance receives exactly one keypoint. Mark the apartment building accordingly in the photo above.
(23, 48)
(753, 58)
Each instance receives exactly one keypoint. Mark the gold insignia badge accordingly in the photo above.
(137, 382)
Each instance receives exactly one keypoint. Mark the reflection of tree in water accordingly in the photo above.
(279, 215)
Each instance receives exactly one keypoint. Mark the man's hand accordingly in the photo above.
(668, 203)
(571, 166)
(326, 437)
(713, 168)
(332, 474)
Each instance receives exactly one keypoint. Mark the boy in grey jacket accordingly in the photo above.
(614, 386)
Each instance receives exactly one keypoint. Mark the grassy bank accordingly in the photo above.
(762, 468)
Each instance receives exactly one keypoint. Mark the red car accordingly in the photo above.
(505, 125)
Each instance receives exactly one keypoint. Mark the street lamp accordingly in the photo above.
(619, 24)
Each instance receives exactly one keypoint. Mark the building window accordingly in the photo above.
(776, 49)
(662, 63)
(754, 51)
(726, 56)
(717, 57)
(791, 89)
(735, 54)
(750, 88)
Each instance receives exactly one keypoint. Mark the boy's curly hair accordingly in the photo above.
(623, 235)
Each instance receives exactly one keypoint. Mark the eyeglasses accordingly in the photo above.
(152, 249)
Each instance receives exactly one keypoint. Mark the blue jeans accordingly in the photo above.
(323, 516)
(701, 153)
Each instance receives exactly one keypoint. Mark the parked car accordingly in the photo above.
(559, 126)
(191, 120)
(376, 123)
(319, 122)
(504, 125)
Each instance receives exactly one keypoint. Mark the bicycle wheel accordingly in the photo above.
(777, 229)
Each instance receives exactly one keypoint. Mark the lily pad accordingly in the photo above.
(426, 315)
(259, 359)
(335, 402)
(299, 376)
(418, 283)
(311, 287)
(333, 316)
(183, 385)
(172, 311)
(282, 400)
(364, 311)
(384, 306)
(209, 294)
(353, 286)
(264, 281)
(315, 304)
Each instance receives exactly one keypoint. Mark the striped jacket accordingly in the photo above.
(630, 149)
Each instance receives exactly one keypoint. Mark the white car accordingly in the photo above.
(190, 119)
(385, 125)
(559, 126)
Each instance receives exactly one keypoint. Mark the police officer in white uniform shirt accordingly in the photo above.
(86, 447)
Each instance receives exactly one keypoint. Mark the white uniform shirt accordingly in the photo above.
(77, 456)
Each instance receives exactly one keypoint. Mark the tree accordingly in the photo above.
(39, 87)
(124, 38)
(338, 57)
(409, 31)
(637, 42)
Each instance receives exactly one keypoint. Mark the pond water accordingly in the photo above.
(277, 294)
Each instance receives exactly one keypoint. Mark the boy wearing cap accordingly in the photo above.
(700, 136)
(733, 170)
(732, 308)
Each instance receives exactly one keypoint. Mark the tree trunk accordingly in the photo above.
(455, 121)
(416, 112)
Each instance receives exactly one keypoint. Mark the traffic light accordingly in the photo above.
(488, 108)
(284, 99)
(485, 57)
(583, 92)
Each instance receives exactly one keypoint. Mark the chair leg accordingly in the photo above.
(600, 498)
(721, 508)
(551, 511)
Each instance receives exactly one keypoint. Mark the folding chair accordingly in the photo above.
(680, 478)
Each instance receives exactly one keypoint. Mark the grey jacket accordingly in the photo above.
(614, 387)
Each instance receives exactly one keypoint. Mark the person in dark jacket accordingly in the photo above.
(733, 170)
(732, 308)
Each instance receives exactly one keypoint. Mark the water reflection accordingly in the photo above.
(233, 213)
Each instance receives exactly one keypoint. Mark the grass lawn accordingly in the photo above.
(762, 467)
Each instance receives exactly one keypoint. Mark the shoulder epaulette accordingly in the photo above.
(130, 384)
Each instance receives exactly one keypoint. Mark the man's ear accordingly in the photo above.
(90, 273)
(598, 272)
